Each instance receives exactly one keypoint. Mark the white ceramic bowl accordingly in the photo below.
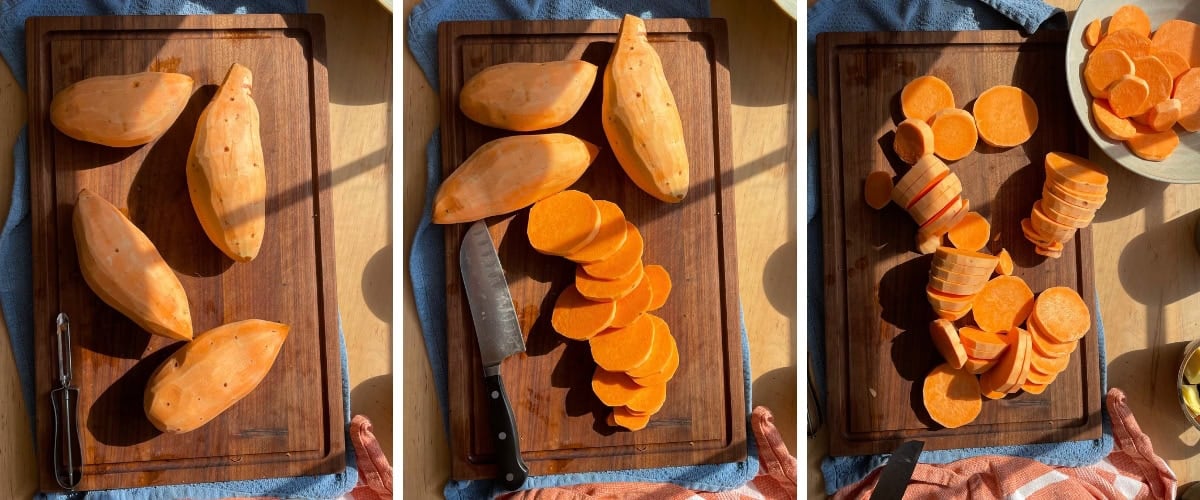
(1183, 166)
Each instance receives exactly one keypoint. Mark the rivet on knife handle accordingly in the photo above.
(513, 471)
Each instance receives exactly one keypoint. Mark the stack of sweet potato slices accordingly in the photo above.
(1075, 188)
(610, 304)
(1143, 84)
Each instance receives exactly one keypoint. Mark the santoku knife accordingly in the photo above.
(499, 336)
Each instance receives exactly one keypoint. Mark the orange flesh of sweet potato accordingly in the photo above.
(972, 233)
(621, 263)
(1109, 124)
(954, 134)
(660, 352)
(925, 96)
(629, 307)
(1005, 265)
(660, 286)
(1062, 314)
(563, 223)
(1180, 36)
(930, 200)
(877, 190)
(1163, 115)
(1049, 347)
(648, 400)
(1128, 95)
(211, 374)
(122, 266)
(1175, 63)
(622, 417)
(919, 179)
(1158, 79)
(913, 140)
(1153, 146)
(121, 110)
(1130, 17)
(1002, 304)
(226, 173)
(982, 345)
(951, 396)
(621, 349)
(945, 339)
(613, 388)
(1125, 40)
(1093, 33)
(608, 290)
(1187, 90)
(577, 318)
(1004, 375)
(526, 96)
(980, 366)
(1075, 172)
(935, 228)
(664, 375)
(640, 117)
(1103, 67)
(1005, 116)
(511, 173)
(609, 237)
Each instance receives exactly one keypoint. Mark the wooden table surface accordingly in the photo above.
(359, 40)
(1147, 268)
(762, 58)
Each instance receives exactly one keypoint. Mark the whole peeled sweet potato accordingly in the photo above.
(211, 374)
(511, 173)
(121, 110)
(640, 118)
(226, 176)
(524, 96)
(123, 268)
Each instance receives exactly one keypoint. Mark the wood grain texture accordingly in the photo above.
(560, 422)
(876, 318)
(292, 424)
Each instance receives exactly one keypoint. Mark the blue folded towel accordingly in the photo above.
(16, 258)
(921, 15)
(427, 265)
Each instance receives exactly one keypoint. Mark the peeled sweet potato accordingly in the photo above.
(524, 97)
(211, 374)
(225, 173)
(511, 173)
(121, 110)
(640, 118)
(123, 268)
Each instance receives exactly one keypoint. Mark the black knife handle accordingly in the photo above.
(513, 471)
(68, 459)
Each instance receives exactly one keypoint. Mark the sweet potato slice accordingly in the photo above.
(563, 223)
(1130, 17)
(925, 96)
(968, 258)
(1162, 116)
(627, 258)
(1073, 195)
(629, 307)
(1093, 33)
(955, 288)
(1128, 96)
(1005, 116)
(621, 349)
(648, 400)
(660, 286)
(966, 278)
(1187, 90)
(946, 302)
(954, 134)
(1049, 229)
(622, 417)
(972, 233)
(939, 226)
(660, 352)
(1064, 218)
(1061, 314)
(976, 366)
(1032, 235)
(919, 179)
(577, 318)
(1153, 146)
(877, 189)
(913, 140)
(1036, 377)
(1175, 63)
(1003, 377)
(945, 338)
(1004, 303)
(1048, 347)
(1051, 365)
(1158, 80)
(936, 200)
(927, 243)
(1103, 68)
(609, 237)
(1127, 41)
(613, 388)
(1109, 124)
(1180, 36)
(1055, 197)
(663, 376)
(951, 396)
(981, 344)
(950, 315)
(1005, 264)
(607, 290)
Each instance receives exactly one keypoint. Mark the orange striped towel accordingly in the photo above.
(776, 477)
(1132, 471)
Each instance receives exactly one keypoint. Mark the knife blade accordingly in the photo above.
(499, 336)
(893, 480)
(68, 455)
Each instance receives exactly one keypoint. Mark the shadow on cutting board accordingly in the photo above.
(117, 418)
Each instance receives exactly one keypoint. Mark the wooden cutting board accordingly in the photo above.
(560, 422)
(292, 424)
(878, 348)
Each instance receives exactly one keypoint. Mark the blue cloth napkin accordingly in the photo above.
(16, 259)
(427, 265)
(921, 15)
